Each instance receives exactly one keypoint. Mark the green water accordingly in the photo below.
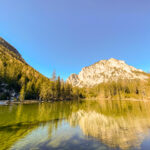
(75, 125)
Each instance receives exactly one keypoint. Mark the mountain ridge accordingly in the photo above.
(16, 75)
(104, 71)
(19, 81)
(12, 49)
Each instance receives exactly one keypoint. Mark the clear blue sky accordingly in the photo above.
(67, 35)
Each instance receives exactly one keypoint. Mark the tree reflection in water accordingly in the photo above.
(117, 124)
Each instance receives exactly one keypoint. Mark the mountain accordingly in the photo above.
(105, 71)
(20, 81)
(11, 49)
(16, 76)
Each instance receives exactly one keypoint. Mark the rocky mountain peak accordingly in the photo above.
(104, 71)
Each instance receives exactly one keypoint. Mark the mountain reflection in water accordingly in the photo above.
(75, 125)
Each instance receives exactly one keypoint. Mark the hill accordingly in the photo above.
(20, 81)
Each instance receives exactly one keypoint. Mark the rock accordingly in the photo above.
(105, 71)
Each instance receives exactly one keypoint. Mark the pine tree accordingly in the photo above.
(63, 96)
(53, 76)
(22, 93)
(68, 91)
(58, 87)
(53, 88)
(45, 92)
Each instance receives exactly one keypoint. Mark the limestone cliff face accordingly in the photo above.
(104, 71)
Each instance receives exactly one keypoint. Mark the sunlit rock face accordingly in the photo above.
(104, 71)
(125, 132)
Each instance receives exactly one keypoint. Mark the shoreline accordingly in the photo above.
(7, 102)
(125, 99)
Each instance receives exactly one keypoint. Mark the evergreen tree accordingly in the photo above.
(45, 92)
(53, 87)
(22, 93)
(53, 76)
(58, 87)
(68, 91)
(63, 92)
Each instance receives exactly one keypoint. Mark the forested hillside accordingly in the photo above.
(121, 89)
(20, 81)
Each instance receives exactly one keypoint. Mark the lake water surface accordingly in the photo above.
(76, 125)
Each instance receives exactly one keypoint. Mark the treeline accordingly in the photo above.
(55, 89)
(20, 81)
(121, 89)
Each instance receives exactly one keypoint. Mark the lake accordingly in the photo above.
(76, 125)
